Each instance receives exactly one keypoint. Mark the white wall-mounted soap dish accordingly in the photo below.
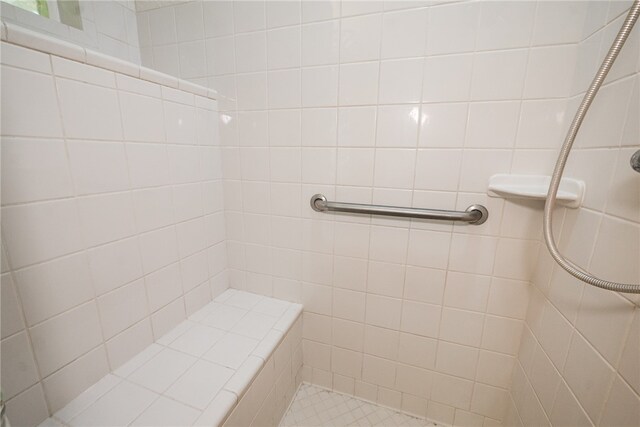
(570, 193)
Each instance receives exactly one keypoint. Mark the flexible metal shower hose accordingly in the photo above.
(571, 268)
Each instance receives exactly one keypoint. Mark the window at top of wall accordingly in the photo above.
(65, 11)
(70, 13)
(39, 7)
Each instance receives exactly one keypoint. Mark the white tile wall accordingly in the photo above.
(320, 96)
(112, 222)
(494, 83)
(572, 329)
(496, 97)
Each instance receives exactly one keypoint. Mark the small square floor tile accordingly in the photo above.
(315, 406)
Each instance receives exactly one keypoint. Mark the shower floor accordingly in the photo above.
(315, 406)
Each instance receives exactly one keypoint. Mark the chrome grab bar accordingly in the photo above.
(475, 214)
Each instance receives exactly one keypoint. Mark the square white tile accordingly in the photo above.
(163, 370)
(118, 407)
(224, 317)
(200, 384)
(231, 350)
(197, 340)
(254, 325)
(167, 412)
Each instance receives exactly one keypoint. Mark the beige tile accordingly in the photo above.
(62, 339)
(115, 264)
(39, 170)
(28, 408)
(622, 407)
(122, 308)
(424, 284)
(462, 327)
(495, 369)
(346, 362)
(51, 288)
(451, 391)
(383, 311)
(350, 273)
(417, 351)
(544, 379)
(378, 371)
(489, 401)
(346, 334)
(584, 358)
(565, 292)
(457, 360)
(18, 368)
(415, 381)
(381, 342)
(513, 258)
(429, 249)
(15, 84)
(169, 316)
(501, 334)
(98, 167)
(11, 320)
(389, 398)
(106, 218)
(508, 298)
(385, 279)
(316, 355)
(103, 122)
(599, 308)
(472, 254)
(467, 291)
(467, 419)
(316, 327)
(628, 368)
(420, 319)
(317, 298)
(555, 335)
(440, 413)
(566, 409)
(163, 286)
(129, 343)
(67, 383)
(617, 265)
(39, 232)
(579, 232)
(414, 405)
(349, 305)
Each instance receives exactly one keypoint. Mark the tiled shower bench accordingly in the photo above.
(233, 363)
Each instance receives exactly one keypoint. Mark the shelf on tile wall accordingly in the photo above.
(570, 193)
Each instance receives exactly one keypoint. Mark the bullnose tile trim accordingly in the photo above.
(15, 34)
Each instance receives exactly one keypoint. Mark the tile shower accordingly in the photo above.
(136, 194)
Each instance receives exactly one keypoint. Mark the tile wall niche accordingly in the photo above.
(579, 358)
(405, 103)
(108, 27)
(112, 222)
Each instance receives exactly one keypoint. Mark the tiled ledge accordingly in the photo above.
(15, 34)
(195, 374)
